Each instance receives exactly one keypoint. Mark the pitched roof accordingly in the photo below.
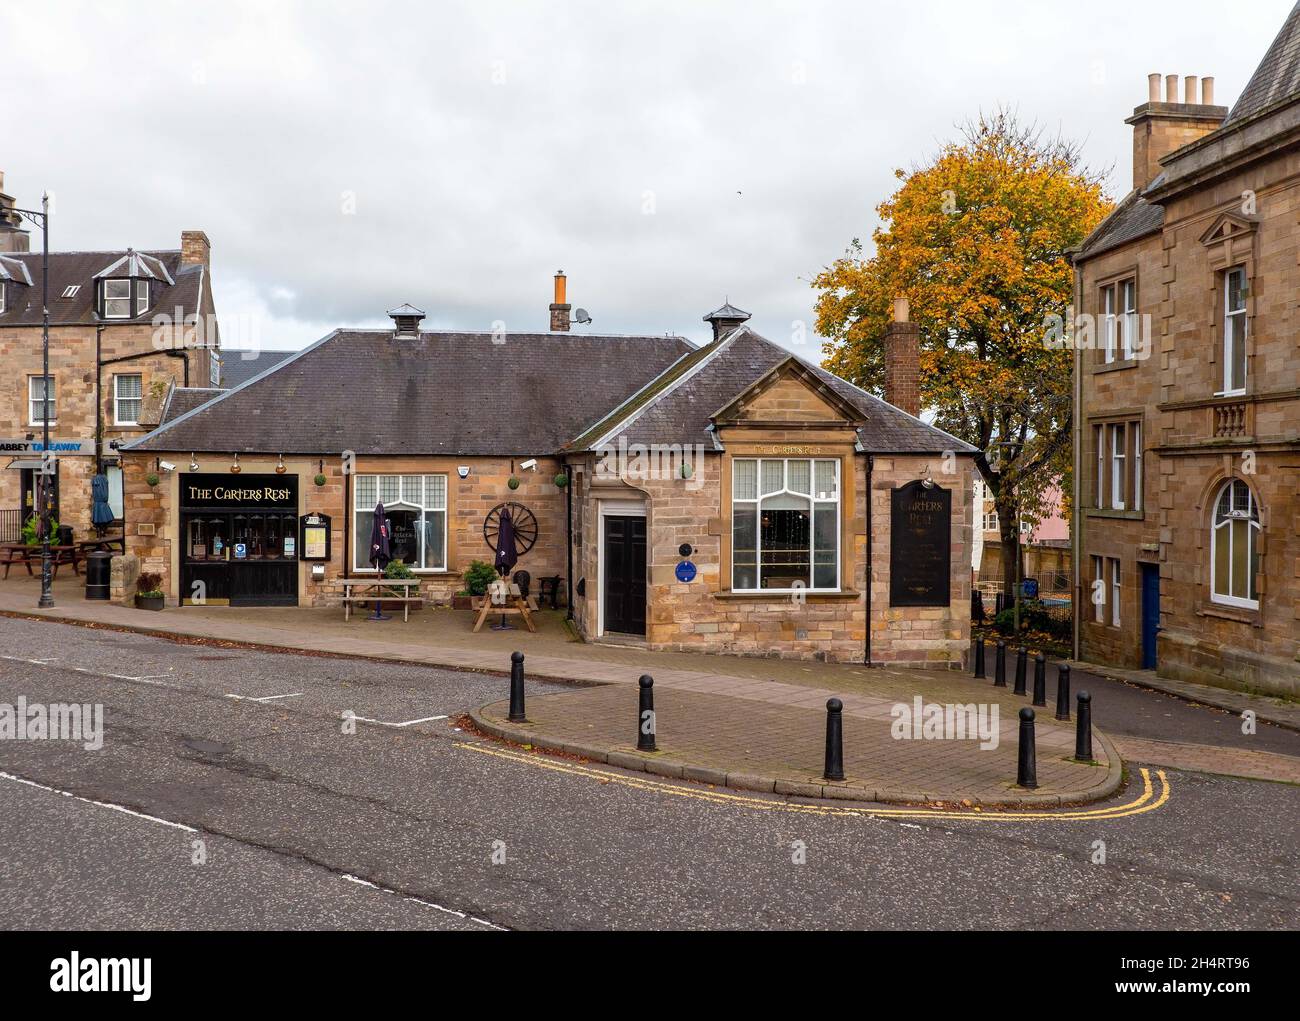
(441, 393)
(240, 366)
(184, 399)
(1278, 76)
(180, 287)
(1133, 218)
(677, 408)
(136, 264)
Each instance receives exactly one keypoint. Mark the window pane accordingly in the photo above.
(772, 475)
(389, 489)
(361, 548)
(435, 550)
(1240, 497)
(799, 473)
(1236, 327)
(1240, 558)
(435, 491)
(825, 546)
(413, 490)
(744, 480)
(1252, 563)
(1236, 290)
(366, 497)
(785, 543)
(129, 386)
(825, 479)
(1221, 571)
(404, 540)
(744, 546)
(117, 289)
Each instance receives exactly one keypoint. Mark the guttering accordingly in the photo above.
(866, 585)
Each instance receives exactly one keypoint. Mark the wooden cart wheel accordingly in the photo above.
(525, 527)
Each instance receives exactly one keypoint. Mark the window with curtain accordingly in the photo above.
(785, 518)
(416, 505)
(1235, 547)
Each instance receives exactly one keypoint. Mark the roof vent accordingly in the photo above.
(406, 322)
(725, 319)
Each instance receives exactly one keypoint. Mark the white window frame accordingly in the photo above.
(1099, 440)
(118, 399)
(1137, 465)
(813, 501)
(33, 402)
(117, 298)
(71, 291)
(1251, 515)
(362, 566)
(1228, 334)
(3, 292)
(1108, 322)
(141, 297)
(1126, 291)
(1099, 575)
(1118, 435)
(1114, 592)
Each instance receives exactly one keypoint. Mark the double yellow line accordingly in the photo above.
(1147, 801)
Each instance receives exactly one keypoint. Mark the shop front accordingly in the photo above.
(240, 540)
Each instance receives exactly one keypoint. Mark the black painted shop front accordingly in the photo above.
(240, 540)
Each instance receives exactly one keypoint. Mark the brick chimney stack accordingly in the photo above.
(13, 237)
(196, 249)
(560, 308)
(902, 361)
(1163, 123)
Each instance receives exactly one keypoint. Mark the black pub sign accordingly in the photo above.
(240, 492)
(920, 545)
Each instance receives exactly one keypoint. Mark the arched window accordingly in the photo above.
(1234, 546)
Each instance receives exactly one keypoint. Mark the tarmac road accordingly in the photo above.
(456, 832)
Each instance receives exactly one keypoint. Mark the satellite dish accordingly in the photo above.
(580, 314)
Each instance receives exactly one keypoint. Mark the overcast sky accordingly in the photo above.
(345, 158)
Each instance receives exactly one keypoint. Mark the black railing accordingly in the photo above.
(11, 525)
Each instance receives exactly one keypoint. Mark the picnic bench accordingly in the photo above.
(380, 590)
(20, 553)
(102, 544)
(515, 605)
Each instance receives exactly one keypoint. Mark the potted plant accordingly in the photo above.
(561, 480)
(513, 482)
(477, 576)
(151, 479)
(32, 530)
(148, 592)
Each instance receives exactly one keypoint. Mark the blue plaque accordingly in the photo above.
(685, 571)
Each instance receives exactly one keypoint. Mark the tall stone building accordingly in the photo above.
(126, 327)
(1187, 447)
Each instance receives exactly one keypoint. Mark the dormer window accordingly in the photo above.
(117, 299)
(141, 297)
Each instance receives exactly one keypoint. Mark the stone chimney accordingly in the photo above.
(725, 319)
(196, 249)
(13, 237)
(1163, 123)
(902, 361)
(560, 308)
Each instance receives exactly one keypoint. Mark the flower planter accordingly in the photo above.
(149, 602)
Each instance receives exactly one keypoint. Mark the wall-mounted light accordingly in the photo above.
(194, 465)
(279, 466)
(234, 468)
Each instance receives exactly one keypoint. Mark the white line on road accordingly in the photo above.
(385, 723)
(263, 698)
(427, 903)
(101, 804)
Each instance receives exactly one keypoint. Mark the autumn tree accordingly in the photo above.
(977, 241)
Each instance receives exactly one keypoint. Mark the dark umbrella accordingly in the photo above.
(101, 514)
(507, 555)
(380, 553)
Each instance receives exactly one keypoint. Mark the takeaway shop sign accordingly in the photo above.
(56, 447)
(262, 492)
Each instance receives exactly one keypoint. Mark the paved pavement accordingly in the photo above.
(284, 796)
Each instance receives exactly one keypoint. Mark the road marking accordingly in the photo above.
(1147, 801)
(263, 698)
(385, 723)
(24, 659)
(101, 804)
(419, 900)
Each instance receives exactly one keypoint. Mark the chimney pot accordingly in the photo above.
(1207, 91)
(902, 310)
(1153, 88)
(560, 308)
(1189, 90)
(1171, 88)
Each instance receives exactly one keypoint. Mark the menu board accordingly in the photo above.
(315, 529)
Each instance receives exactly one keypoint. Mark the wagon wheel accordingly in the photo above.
(525, 527)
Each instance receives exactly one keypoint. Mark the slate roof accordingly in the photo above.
(1278, 75)
(1133, 218)
(23, 307)
(184, 399)
(677, 408)
(441, 393)
(236, 369)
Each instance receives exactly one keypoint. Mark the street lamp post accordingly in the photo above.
(42, 217)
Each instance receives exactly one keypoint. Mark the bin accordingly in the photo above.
(99, 569)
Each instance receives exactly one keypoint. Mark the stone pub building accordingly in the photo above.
(726, 498)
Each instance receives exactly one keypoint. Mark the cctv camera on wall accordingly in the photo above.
(167, 466)
(529, 465)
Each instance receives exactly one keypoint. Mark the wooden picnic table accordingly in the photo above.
(105, 543)
(516, 605)
(357, 590)
(20, 553)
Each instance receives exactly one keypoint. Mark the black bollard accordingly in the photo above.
(834, 740)
(1083, 729)
(1027, 768)
(1022, 658)
(979, 658)
(1000, 665)
(517, 688)
(1062, 692)
(1040, 680)
(645, 731)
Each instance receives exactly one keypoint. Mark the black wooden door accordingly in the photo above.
(624, 557)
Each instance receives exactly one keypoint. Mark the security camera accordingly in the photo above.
(167, 466)
(529, 465)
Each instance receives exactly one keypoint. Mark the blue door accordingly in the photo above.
(1150, 613)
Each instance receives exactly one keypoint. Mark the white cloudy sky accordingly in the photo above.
(488, 144)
